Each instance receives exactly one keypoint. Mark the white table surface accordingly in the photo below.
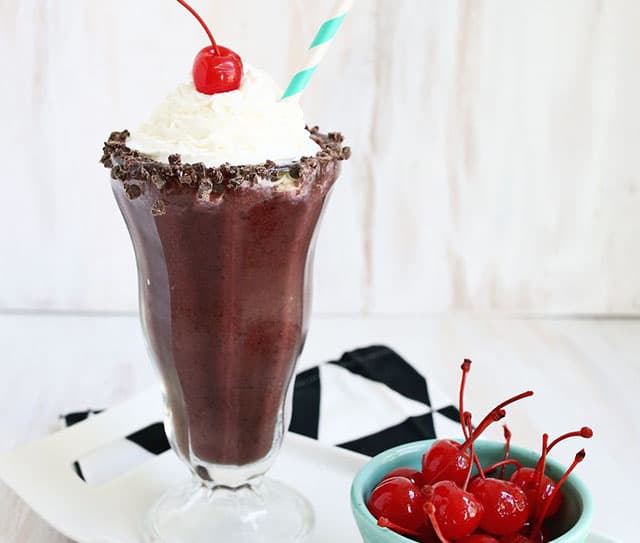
(583, 371)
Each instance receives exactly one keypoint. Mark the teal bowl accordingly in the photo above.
(573, 521)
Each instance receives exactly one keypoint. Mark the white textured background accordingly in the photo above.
(496, 146)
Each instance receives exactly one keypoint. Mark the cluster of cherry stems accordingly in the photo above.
(443, 503)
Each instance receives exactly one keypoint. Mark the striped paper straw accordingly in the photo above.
(318, 49)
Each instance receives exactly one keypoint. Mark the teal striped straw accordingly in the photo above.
(318, 49)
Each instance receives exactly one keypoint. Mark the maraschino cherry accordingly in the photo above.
(453, 512)
(216, 68)
(544, 513)
(449, 460)
(535, 530)
(538, 486)
(400, 502)
(506, 507)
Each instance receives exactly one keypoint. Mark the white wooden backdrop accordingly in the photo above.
(496, 146)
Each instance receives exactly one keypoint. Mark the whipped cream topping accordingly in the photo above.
(246, 126)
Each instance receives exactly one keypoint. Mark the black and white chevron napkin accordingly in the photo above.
(369, 400)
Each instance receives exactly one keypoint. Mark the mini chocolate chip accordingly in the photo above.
(294, 171)
(158, 208)
(133, 191)
(118, 172)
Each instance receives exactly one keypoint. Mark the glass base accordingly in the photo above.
(269, 512)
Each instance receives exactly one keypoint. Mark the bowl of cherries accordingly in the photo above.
(473, 491)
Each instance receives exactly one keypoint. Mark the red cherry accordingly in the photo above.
(400, 501)
(525, 478)
(449, 460)
(506, 507)
(478, 538)
(453, 512)
(446, 461)
(542, 514)
(413, 475)
(536, 484)
(216, 69)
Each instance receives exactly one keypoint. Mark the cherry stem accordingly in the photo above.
(494, 415)
(472, 451)
(384, 522)
(466, 368)
(539, 475)
(507, 446)
(584, 432)
(517, 397)
(468, 478)
(535, 531)
(430, 510)
(204, 25)
(502, 464)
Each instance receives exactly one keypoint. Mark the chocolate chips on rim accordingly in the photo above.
(127, 164)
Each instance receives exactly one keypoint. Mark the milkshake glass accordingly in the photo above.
(224, 257)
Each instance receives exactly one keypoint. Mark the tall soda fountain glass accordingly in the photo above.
(224, 258)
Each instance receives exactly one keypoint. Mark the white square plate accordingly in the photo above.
(42, 474)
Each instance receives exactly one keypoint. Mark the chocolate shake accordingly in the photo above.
(224, 261)
(222, 190)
